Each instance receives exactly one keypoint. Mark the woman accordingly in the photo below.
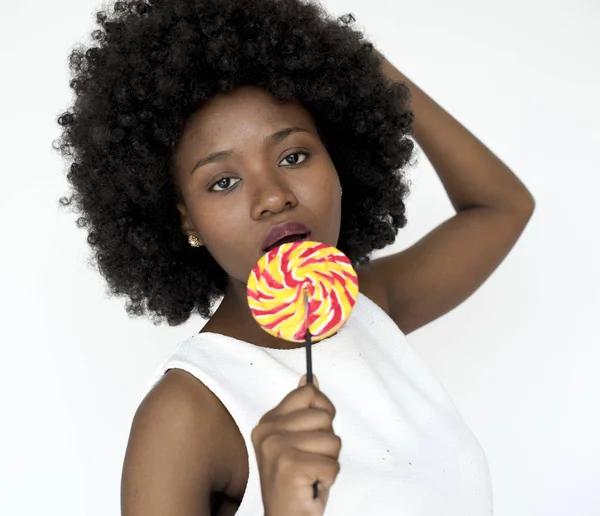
(198, 127)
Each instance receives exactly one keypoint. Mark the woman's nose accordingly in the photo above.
(273, 198)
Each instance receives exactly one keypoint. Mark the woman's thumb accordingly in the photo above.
(303, 381)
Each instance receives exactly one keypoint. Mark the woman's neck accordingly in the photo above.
(234, 319)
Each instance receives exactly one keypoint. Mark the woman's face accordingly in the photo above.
(232, 201)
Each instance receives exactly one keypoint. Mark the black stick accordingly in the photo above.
(308, 342)
(309, 379)
(309, 374)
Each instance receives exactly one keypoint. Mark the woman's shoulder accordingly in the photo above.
(176, 441)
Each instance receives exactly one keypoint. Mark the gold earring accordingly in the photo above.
(194, 242)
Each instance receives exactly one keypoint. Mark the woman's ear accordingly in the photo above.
(187, 227)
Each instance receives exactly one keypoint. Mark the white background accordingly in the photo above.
(520, 357)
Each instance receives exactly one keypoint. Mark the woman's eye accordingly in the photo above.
(297, 154)
(224, 184)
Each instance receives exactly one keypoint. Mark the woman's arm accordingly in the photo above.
(493, 207)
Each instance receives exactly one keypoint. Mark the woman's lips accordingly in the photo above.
(291, 238)
(290, 228)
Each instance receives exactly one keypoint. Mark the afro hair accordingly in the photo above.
(151, 65)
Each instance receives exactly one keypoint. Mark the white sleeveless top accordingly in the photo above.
(405, 448)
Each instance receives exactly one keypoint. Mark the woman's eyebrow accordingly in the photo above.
(224, 154)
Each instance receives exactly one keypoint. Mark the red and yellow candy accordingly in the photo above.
(276, 283)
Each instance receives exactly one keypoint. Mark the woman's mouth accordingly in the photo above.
(287, 239)
(290, 231)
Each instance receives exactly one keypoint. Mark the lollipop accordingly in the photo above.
(279, 280)
(302, 291)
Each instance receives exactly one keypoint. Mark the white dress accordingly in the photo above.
(406, 451)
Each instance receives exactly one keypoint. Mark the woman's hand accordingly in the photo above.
(296, 447)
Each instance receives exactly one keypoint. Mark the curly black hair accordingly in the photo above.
(151, 65)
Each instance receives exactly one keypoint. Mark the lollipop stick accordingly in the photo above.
(307, 341)
(308, 344)
(309, 377)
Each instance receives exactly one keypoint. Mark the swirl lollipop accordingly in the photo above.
(278, 281)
